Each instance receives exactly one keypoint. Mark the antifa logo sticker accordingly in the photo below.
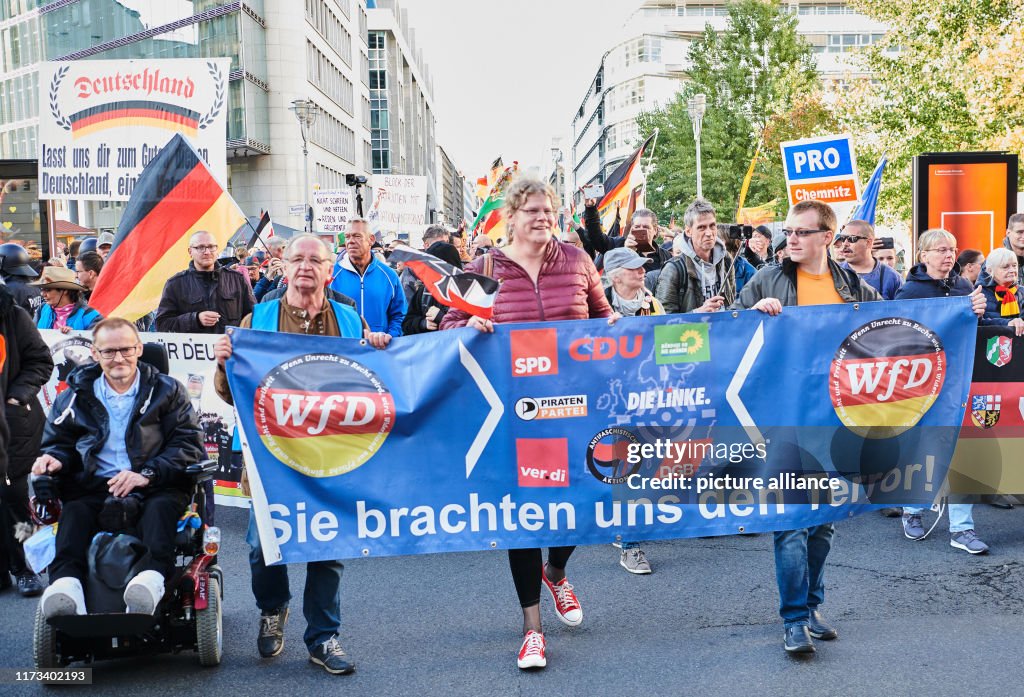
(607, 455)
(323, 415)
(885, 377)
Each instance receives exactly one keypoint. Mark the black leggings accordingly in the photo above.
(527, 565)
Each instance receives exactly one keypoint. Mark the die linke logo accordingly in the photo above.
(323, 415)
(542, 461)
(534, 352)
(603, 348)
(885, 376)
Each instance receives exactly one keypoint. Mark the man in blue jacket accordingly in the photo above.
(374, 285)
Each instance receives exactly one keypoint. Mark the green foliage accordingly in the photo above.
(918, 100)
(757, 68)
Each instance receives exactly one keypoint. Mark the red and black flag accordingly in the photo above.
(257, 235)
(619, 188)
(174, 197)
(469, 292)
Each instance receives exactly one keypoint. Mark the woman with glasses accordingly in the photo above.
(64, 306)
(938, 276)
(542, 280)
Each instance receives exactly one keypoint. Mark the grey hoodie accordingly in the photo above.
(688, 281)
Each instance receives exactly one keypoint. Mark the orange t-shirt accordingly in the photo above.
(816, 289)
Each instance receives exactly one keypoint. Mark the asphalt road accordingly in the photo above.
(913, 618)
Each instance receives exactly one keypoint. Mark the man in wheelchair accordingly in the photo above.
(118, 441)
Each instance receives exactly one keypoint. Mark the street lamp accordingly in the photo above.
(696, 107)
(306, 112)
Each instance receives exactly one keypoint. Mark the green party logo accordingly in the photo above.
(681, 343)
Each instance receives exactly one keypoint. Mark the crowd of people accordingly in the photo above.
(123, 429)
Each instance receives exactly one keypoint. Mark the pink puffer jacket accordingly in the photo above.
(568, 287)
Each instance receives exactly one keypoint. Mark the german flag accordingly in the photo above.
(175, 197)
(134, 113)
(620, 185)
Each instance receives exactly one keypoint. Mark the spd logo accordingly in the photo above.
(323, 415)
(885, 377)
(534, 352)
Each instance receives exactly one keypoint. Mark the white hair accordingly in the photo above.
(998, 257)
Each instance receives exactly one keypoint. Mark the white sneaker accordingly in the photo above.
(143, 593)
(63, 597)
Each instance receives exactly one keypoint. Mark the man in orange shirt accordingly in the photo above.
(807, 277)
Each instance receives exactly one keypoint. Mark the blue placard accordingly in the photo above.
(816, 158)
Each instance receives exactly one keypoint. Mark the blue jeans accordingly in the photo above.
(961, 516)
(800, 571)
(321, 600)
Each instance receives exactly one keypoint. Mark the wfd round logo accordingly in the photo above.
(323, 415)
(886, 375)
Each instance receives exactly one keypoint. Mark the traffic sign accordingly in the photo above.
(822, 169)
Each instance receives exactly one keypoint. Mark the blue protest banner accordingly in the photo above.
(818, 158)
(580, 433)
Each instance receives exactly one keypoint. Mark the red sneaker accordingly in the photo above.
(531, 654)
(567, 606)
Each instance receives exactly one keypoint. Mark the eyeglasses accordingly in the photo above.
(538, 212)
(943, 251)
(801, 233)
(312, 261)
(203, 248)
(127, 352)
(852, 239)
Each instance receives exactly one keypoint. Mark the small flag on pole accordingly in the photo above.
(868, 204)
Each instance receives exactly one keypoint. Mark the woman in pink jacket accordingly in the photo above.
(542, 280)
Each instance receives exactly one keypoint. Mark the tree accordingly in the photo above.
(756, 68)
(946, 77)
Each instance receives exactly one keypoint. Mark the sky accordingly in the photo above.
(509, 75)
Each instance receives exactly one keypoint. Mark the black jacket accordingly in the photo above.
(163, 431)
(190, 292)
(25, 366)
(920, 285)
(28, 297)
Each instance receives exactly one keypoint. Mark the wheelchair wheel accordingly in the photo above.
(44, 643)
(210, 628)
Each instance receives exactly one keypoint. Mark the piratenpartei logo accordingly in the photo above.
(886, 375)
(323, 415)
(557, 407)
(607, 455)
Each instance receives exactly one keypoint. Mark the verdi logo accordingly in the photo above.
(323, 415)
(681, 343)
(886, 375)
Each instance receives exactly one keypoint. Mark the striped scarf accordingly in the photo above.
(1006, 296)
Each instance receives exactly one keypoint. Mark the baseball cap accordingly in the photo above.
(105, 238)
(623, 258)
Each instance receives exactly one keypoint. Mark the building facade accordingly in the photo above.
(449, 190)
(645, 70)
(278, 54)
(402, 121)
